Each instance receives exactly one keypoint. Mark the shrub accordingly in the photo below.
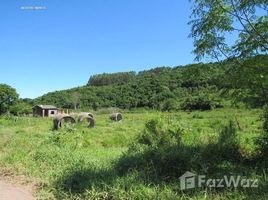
(197, 103)
(198, 116)
(160, 155)
(228, 142)
(262, 141)
(156, 152)
(156, 135)
(226, 148)
(265, 123)
(8, 97)
(170, 104)
(21, 108)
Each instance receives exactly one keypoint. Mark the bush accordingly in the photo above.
(21, 108)
(170, 104)
(265, 123)
(225, 149)
(8, 97)
(262, 141)
(160, 155)
(228, 142)
(156, 135)
(197, 103)
(198, 116)
(156, 152)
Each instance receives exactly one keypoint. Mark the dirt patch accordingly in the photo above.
(16, 187)
(11, 192)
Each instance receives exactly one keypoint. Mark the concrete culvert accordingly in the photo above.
(63, 119)
(85, 117)
(116, 117)
(87, 113)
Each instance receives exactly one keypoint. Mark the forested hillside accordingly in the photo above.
(192, 87)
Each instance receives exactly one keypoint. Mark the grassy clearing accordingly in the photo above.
(81, 162)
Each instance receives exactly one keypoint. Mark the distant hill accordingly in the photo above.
(191, 87)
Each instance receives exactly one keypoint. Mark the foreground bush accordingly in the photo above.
(159, 153)
(156, 151)
(226, 148)
(262, 141)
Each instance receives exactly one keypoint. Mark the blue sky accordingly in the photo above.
(61, 46)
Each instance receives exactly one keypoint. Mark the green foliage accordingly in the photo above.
(156, 151)
(213, 21)
(162, 88)
(197, 103)
(194, 87)
(21, 108)
(198, 116)
(265, 123)
(160, 154)
(94, 163)
(228, 143)
(249, 80)
(262, 141)
(157, 135)
(8, 97)
(171, 104)
(111, 79)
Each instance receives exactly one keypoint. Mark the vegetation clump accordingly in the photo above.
(160, 154)
(197, 103)
(262, 141)
(156, 151)
(8, 98)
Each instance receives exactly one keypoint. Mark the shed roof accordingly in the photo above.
(47, 107)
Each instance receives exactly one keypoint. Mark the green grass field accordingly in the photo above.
(80, 163)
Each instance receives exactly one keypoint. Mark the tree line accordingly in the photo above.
(192, 87)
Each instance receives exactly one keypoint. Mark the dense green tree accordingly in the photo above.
(21, 108)
(246, 21)
(8, 97)
(165, 88)
(75, 99)
(111, 79)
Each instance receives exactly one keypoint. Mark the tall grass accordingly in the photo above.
(132, 159)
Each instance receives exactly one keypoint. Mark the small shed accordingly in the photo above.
(45, 110)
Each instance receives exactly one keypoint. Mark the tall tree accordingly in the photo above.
(214, 22)
(244, 20)
(8, 96)
(75, 99)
